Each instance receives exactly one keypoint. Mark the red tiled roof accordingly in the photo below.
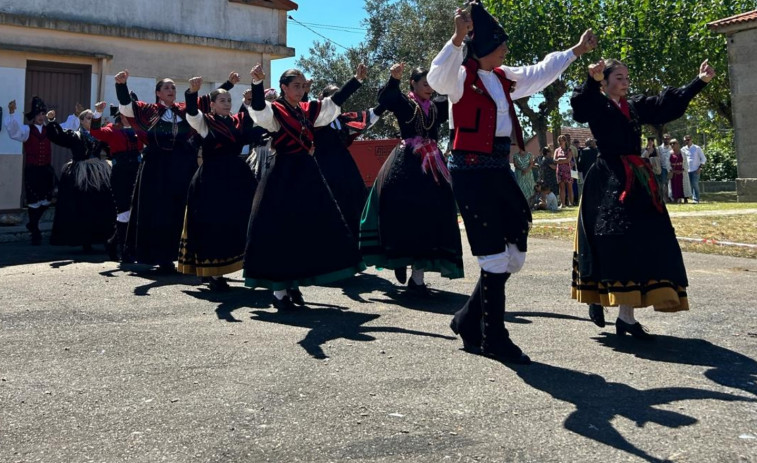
(577, 133)
(737, 19)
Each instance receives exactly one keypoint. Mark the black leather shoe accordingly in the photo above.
(218, 284)
(166, 269)
(470, 347)
(283, 304)
(296, 296)
(401, 274)
(597, 314)
(504, 350)
(636, 330)
(415, 288)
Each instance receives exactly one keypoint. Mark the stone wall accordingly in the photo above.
(742, 57)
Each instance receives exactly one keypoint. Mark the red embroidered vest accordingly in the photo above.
(296, 132)
(475, 115)
(37, 147)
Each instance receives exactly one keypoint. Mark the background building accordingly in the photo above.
(741, 31)
(68, 51)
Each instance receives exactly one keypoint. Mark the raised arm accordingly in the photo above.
(331, 106)
(195, 117)
(260, 109)
(390, 95)
(122, 93)
(672, 103)
(587, 98)
(16, 130)
(446, 75)
(57, 134)
(535, 78)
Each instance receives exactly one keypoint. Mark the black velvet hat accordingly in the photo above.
(487, 33)
(38, 106)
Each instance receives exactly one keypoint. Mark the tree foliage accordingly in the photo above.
(662, 41)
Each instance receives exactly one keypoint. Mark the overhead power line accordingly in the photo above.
(317, 33)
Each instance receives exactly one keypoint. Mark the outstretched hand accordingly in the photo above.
(234, 77)
(361, 72)
(597, 70)
(396, 70)
(50, 115)
(706, 72)
(100, 106)
(122, 76)
(12, 106)
(195, 84)
(587, 43)
(463, 24)
(257, 72)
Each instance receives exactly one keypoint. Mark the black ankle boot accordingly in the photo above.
(496, 342)
(467, 322)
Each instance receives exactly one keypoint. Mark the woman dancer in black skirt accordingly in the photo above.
(613, 263)
(125, 155)
(297, 235)
(336, 163)
(221, 191)
(168, 163)
(411, 217)
(85, 211)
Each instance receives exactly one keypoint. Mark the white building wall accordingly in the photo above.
(205, 18)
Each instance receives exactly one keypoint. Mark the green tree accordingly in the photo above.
(537, 28)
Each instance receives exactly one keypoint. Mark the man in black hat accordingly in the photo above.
(483, 120)
(39, 178)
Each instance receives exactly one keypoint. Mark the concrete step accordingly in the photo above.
(13, 225)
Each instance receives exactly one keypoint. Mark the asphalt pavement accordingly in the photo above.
(106, 364)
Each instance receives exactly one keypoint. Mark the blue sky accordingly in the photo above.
(321, 16)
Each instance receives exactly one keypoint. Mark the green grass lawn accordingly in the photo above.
(736, 228)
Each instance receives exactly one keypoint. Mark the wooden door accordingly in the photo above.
(61, 86)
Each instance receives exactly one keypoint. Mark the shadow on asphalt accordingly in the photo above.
(727, 368)
(598, 402)
(58, 256)
(155, 277)
(439, 302)
(523, 317)
(332, 323)
(236, 297)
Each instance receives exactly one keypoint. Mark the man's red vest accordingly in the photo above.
(475, 115)
(37, 147)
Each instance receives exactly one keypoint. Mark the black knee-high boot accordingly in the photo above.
(467, 321)
(496, 342)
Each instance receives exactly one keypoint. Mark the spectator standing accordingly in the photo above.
(651, 156)
(663, 151)
(586, 159)
(695, 157)
(524, 164)
(563, 156)
(575, 147)
(677, 172)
